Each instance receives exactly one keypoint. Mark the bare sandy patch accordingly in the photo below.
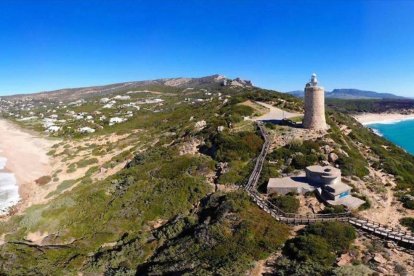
(372, 118)
(27, 158)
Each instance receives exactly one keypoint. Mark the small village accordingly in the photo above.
(90, 114)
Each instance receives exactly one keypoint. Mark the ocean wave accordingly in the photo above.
(9, 192)
(376, 131)
(3, 161)
(388, 122)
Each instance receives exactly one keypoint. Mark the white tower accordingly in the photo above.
(314, 106)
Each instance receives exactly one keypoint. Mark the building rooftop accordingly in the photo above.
(290, 183)
(337, 188)
(325, 170)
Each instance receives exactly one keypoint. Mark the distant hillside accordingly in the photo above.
(404, 106)
(351, 94)
(213, 81)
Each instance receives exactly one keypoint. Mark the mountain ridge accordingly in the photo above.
(180, 82)
(351, 93)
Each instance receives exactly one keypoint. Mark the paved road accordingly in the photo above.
(275, 114)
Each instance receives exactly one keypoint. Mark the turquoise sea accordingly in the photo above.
(398, 132)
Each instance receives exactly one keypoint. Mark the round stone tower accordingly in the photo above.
(314, 106)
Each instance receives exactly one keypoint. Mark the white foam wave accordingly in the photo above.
(377, 132)
(9, 192)
(3, 161)
(388, 122)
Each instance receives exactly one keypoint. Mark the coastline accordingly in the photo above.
(382, 118)
(27, 160)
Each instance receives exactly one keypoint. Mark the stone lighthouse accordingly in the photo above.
(314, 106)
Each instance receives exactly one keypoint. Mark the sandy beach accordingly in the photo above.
(385, 118)
(27, 159)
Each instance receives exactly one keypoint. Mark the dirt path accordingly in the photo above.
(275, 113)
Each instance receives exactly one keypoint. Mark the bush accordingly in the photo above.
(407, 202)
(309, 248)
(320, 243)
(338, 235)
(288, 203)
(336, 209)
(303, 154)
(225, 147)
(43, 180)
(241, 110)
(287, 267)
(408, 222)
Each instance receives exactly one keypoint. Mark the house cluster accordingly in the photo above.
(90, 114)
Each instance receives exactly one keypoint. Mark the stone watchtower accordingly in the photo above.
(314, 106)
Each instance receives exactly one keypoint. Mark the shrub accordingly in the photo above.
(309, 248)
(86, 162)
(241, 110)
(285, 267)
(407, 202)
(288, 203)
(320, 243)
(336, 209)
(303, 154)
(408, 222)
(43, 180)
(338, 235)
(225, 147)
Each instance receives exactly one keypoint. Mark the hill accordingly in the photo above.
(351, 94)
(371, 105)
(145, 181)
(71, 94)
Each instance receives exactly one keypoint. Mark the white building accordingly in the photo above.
(86, 130)
(116, 120)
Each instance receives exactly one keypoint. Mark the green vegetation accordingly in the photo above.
(297, 155)
(287, 203)
(158, 215)
(407, 201)
(86, 162)
(237, 112)
(335, 209)
(351, 163)
(370, 105)
(408, 222)
(235, 148)
(226, 147)
(229, 233)
(96, 213)
(315, 250)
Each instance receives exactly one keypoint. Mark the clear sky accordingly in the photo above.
(48, 45)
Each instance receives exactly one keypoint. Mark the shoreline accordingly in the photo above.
(27, 159)
(382, 118)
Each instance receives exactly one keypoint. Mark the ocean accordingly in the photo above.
(399, 132)
(9, 190)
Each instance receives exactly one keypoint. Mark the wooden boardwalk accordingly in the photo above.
(382, 231)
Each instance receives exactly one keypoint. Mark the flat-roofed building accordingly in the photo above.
(326, 180)
(294, 184)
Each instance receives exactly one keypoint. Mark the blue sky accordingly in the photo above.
(47, 45)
